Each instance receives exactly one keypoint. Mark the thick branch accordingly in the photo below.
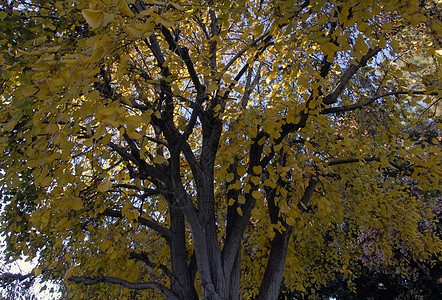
(127, 284)
(183, 53)
(308, 193)
(9, 277)
(143, 166)
(164, 232)
(345, 79)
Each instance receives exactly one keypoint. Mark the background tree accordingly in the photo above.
(187, 148)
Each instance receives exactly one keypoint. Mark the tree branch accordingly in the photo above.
(183, 53)
(127, 284)
(371, 100)
(155, 140)
(147, 191)
(142, 165)
(351, 160)
(345, 79)
(142, 257)
(242, 51)
(164, 232)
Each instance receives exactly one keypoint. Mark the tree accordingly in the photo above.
(186, 148)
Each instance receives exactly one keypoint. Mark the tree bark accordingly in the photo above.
(182, 283)
(272, 279)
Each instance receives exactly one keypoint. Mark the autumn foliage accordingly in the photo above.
(218, 148)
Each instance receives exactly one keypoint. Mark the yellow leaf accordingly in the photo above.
(256, 180)
(11, 124)
(239, 210)
(177, 6)
(69, 273)
(68, 258)
(290, 221)
(166, 22)
(124, 8)
(360, 45)
(78, 204)
(212, 87)
(231, 201)
(133, 215)
(133, 32)
(93, 17)
(256, 194)
(159, 160)
(154, 2)
(37, 271)
(29, 91)
(230, 177)
(3, 15)
(105, 185)
(217, 108)
(257, 170)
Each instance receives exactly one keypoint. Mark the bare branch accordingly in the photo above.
(127, 284)
(371, 100)
(147, 191)
(351, 160)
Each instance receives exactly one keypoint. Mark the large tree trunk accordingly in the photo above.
(182, 283)
(271, 282)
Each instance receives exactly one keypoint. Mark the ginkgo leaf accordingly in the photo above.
(93, 17)
(290, 221)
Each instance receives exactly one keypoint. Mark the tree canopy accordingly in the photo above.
(218, 149)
